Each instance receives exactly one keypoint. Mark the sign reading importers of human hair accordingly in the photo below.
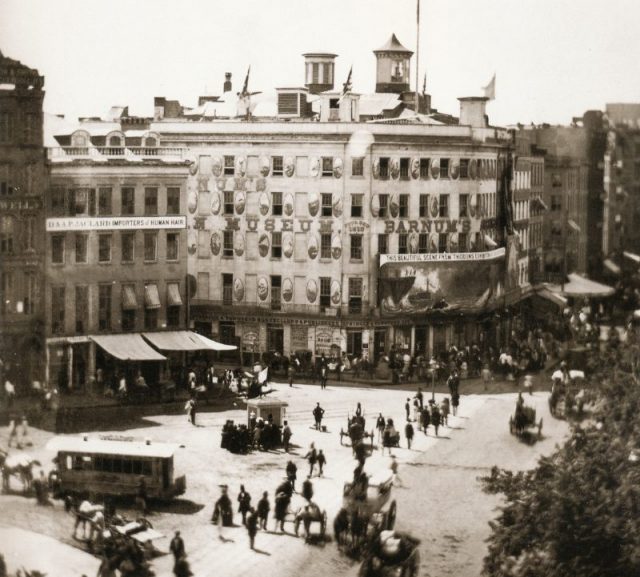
(442, 256)
(115, 223)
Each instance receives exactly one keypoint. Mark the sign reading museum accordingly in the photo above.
(116, 223)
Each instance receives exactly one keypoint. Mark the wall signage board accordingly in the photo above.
(442, 257)
(116, 223)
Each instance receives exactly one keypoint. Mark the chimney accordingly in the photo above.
(158, 107)
(473, 111)
(227, 82)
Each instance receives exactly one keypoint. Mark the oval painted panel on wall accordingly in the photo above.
(314, 203)
(192, 242)
(289, 166)
(193, 165)
(473, 169)
(413, 242)
(376, 168)
(263, 288)
(335, 292)
(264, 204)
(192, 201)
(394, 168)
(337, 206)
(288, 204)
(434, 206)
(375, 205)
(473, 205)
(415, 168)
(435, 168)
(337, 167)
(454, 168)
(263, 245)
(240, 202)
(394, 208)
(287, 244)
(312, 291)
(216, 166)
(314, 166)
(241, 165)
(312, 246)
(265, 165)
(238, 289)
(216, 203)
(216, 243)
(220, 183)
(287, 290)
(336, 246)
(239, 244)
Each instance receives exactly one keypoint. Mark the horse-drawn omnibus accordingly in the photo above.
(116, 466)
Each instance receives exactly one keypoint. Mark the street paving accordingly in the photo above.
(475, 440)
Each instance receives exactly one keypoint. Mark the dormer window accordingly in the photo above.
(151, 142)
(115, 141)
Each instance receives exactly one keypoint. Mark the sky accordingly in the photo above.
(553, 59)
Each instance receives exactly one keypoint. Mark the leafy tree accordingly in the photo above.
(577, 514)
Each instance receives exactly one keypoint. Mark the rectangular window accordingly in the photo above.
(6, 126)
(357, 166)
(150, 319)
(82, 308)
(57, 202)
(6, 297)
(424, 168)
(356, 205)
(383, 244)
(6, 234)
(327, 166)
(104, 307)
(355, 295)
(325, 292)
(31, 292)
(277, 166)
(276, 293)
(464, 168)
(442, 242)
(127, 201)
(403, 210)
(423, 243)
(276, 245)
(229, 165)
(443, 206)
(151, 201)
(384, 205)
(173, 316)
(127, 240)
(327, 208)
(423, 209)
(444, 168)
(463, 241)
(150, 246)
(227, 245)
(276, 203)
(404, 169)
(384, 168)
(464, 205)
(173, 245)
(227, 289)
(104, 248)
(81, 248)
(556, 202)
(203, 244)
(104, 201)
(58, 303)
(325, 246)
(82, 201)
(173, 200)
(356, 246)
(402, 243)
(128, 316)
(57, 248)
(29, 232)
(228, 202)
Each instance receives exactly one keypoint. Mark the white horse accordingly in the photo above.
(17, 465)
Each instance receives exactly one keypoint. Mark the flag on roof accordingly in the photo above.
(424, 84)
(490, 89)
(347, 86)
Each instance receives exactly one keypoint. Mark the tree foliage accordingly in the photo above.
(577, 514)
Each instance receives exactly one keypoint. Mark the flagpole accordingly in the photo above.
(417, 99)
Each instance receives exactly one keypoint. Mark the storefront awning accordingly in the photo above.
(214, 345)
(541, 203)
(173, 295)
(151, 296)
(129, 300)
(573, 225)
(489, 242)
(631, 256)
(547, 294)
(612, 267)
(127, 347)
(184, 341)
(579, 286)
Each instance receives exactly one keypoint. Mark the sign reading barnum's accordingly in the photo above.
(442, 257)
(116, 223)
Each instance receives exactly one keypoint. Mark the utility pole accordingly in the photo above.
(417, 98)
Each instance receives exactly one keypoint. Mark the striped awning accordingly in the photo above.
(129, 300)
(151, 296)
(612, 267)
(127, 347)
(173, 295)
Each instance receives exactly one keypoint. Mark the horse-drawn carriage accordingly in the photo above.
(568, 395)
(356, 431)
(524, 419)
(392, 554)
(305, 516)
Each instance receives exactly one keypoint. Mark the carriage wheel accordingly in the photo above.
(511, 424)
(323, 524)
(391, 516)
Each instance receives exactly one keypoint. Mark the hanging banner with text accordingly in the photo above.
(115, 223)
(444, 283)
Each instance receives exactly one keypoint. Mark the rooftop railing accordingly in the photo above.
(107, 152)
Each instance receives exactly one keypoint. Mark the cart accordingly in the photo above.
(356, 431)
(307, 515)
(524, 419)
(392, 555)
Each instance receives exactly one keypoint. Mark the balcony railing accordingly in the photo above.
(59, 153)
(355, 308)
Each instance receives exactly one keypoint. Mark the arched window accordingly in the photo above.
(115, 141)
(80, 139)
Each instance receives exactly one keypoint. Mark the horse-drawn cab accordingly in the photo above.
(371, 499)
(523, 419)
(567, 393)
(356, 431)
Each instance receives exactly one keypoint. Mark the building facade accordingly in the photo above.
(23, 181)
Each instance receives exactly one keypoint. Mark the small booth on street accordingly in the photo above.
(264, 407)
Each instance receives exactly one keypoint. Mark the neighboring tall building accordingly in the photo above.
(23, 181)
(116, 256)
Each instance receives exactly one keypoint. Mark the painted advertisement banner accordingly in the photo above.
(442, 257)
(116, 223)
(455, 285)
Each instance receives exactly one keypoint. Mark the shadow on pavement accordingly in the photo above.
(178, 507)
